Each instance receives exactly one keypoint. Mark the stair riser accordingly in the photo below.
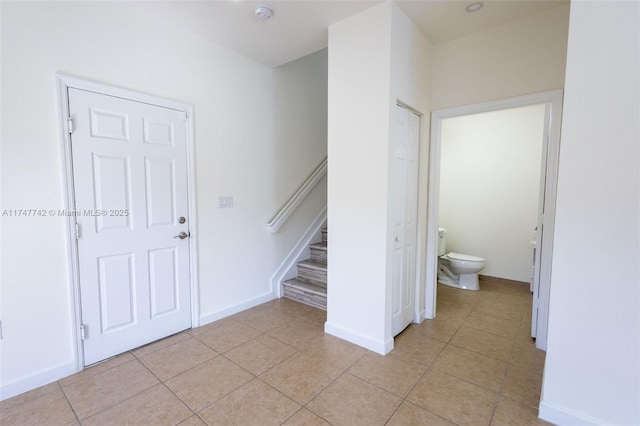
(319, 255)
(306, 298)
(309, 287)
(313, 276)
(297, 290)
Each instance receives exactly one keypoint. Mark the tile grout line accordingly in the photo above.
(346, 370)
(68, 402)
(325, 388)
(228, 393)
(508, 362)
(404, 399)
(496, 393)
(128, 398)
(254, 376)
(162, 382)
(219, 354)
(429, 367)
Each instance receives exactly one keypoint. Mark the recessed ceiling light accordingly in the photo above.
(263, 13)
(474, 7)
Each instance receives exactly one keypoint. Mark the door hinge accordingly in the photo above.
(77, 231)
(70, 125)
(83, 331)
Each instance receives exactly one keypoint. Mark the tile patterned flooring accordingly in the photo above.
(473, 365)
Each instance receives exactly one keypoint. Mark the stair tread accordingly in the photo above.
(313, 264)
(319, 246)
(310, 286)
(307, 286)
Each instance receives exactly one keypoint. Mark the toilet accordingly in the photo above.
(456, 269)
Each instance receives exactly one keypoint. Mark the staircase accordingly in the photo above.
(310, 286)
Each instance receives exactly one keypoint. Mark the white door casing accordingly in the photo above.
(546, 223)
(130, 189)
(404, 209)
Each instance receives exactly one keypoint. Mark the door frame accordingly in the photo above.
(554, 98)
(65, 82)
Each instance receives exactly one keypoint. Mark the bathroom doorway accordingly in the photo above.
(547, 107)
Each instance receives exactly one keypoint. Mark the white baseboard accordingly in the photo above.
(285, 269)
(228, 311)
(419, 316)
(564, 416)
(37, 379)
(367, 342)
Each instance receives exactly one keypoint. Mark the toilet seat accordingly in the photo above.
(466, 257)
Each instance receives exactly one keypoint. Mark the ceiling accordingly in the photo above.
(299, 27)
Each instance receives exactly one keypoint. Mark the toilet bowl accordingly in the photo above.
(457, 269)
(460, 270)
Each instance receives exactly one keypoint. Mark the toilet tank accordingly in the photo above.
(442, 241)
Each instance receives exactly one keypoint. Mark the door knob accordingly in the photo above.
(182, 235)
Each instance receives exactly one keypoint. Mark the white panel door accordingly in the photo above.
(130, 184)
(404, 193)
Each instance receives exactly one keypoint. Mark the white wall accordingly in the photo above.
(358, 140)
(375, 59)
(592, 369)
(240, 108)
(411, 85)
(521, 57)
(489, 187)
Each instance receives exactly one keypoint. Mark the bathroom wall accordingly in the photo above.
(489, 187)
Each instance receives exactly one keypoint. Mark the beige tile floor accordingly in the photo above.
(271, 365)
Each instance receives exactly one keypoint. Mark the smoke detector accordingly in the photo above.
(474, 7)
(263, 13)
